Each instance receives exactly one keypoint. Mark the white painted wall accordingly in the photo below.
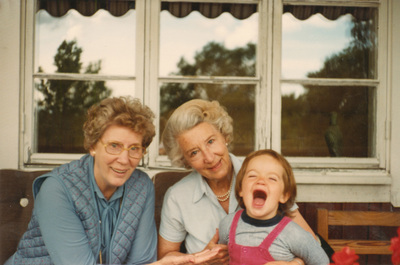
(9, 82)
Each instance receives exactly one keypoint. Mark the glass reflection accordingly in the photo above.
(328, 121)
(61, 107)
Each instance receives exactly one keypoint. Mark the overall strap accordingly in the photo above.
(232, 231)
(274, 233)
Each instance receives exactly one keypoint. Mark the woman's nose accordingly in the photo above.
(123, 157)
(208, 155)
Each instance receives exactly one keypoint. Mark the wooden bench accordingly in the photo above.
(327, 218)
(16, 204)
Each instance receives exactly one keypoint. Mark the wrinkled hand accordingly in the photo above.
(175, 260)
(206, 255)
(293, 262)
(278, 263)
(222, 257)
(198, 258)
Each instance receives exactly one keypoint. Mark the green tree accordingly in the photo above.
(63, 104)
(216, 60)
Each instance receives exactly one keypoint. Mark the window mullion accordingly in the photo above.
(332, 82)
(275, 102)
(383, 102)
(211, 80)
(81, 77)
(140, 48)
(151, 86)
(27, 134)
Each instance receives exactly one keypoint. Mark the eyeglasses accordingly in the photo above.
(116, 148)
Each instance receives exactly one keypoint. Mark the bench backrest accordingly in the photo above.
(328, 218)
(16, 204)
(162, 181)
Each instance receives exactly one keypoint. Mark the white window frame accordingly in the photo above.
(28, 159)
(341, 179)
(378, 162)
(318, 179)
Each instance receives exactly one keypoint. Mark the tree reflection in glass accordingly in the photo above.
(307, 109)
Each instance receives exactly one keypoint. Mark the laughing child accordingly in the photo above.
(262, 232)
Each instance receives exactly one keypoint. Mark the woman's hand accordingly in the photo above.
(206, 255)
(175, 260)
(213, 253)
(222, 258)
(198, 258)
(296, 261)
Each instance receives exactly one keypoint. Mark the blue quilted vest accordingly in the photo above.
(75, 177)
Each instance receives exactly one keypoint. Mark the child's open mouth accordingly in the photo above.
(259, 197)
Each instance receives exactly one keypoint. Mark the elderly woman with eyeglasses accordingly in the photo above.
(100, 208)
(197, 136)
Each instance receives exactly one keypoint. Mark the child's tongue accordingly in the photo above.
(259, 198)
(259, 201)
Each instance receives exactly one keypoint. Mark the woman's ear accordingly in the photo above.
(92, 152)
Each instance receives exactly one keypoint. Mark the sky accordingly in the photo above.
(305, 44)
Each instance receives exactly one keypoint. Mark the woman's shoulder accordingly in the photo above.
(141, 177)
(189, 181)
(49, 184)
(184, 187)
(138, 173)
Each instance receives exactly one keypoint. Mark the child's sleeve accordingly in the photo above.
(224, 227)
(303, 245)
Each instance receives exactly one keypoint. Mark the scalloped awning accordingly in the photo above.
(58, 8)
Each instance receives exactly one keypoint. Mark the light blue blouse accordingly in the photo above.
(191, 211)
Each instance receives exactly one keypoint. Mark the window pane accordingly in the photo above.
(102, 40)
(344, 47)
(61, 107)
(328, 121)
(237, 99)
(199, 46)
